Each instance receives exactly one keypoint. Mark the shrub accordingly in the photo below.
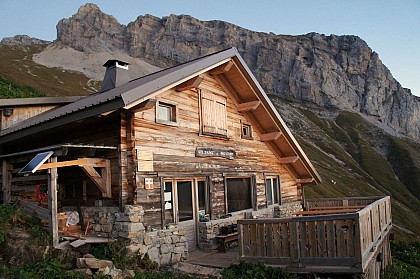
(255, 271)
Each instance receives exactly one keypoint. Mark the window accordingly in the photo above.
(213, 114)
(246, 131)
(239, 194)
(169, 210)
(272, 190)
(203, 199)
(166, 113)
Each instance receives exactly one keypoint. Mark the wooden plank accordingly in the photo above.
(222, 68)
(304, 245)
(191, 83)
(305, 180)
(312, 239)
(322, 245)
(341, 247)
(288, 160)
(285, 240)
(96, 162)
(247, 249)
(269, 240)
(38, 211)
(253, 240)
(248, 106)
(52, 203)
(323, 212)
(261, 251)
(6, 181)
(270, 136)
(331, 249)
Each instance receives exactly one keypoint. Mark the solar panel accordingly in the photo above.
(36, 162)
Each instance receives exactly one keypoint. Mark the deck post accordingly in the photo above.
(6, 181)
(295, 249)
(52, 203)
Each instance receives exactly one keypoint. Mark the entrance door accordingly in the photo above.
(186, 212)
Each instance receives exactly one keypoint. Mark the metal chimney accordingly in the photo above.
(116, 74)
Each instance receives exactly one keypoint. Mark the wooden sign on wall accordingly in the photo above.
(214, 152)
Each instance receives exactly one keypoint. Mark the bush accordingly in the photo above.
(255, 271)
(10, 90)
(406, 261)
(46, 269)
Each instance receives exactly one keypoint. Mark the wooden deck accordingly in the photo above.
(214, 259)
(337, 236)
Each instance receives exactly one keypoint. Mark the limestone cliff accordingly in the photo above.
(329, 71)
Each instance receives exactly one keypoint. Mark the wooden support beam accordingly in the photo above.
(305, 180)
(6, 181)
(96, 162)
(249, 105)
(222, 68)
(148, 104)
(52, 203)
(270, 136)
(288, 160)
(191, 83)
(103, 182)
(106, 175)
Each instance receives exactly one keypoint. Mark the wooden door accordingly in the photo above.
(187, 212)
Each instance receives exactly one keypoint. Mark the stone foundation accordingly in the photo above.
(164, 247)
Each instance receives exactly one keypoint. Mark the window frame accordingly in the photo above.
(252, 189)
(174, 113)
(274, 189)
(249, 126)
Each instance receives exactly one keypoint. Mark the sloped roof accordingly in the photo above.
(138, 90)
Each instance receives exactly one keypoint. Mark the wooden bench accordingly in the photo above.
(336, 207)
(223, 240)
(325, 212)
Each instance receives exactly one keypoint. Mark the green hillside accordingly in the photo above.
(356, 158)
(18, 67)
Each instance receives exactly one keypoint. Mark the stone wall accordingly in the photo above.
(164, 247)
(287, 210)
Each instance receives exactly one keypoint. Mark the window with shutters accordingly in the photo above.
(213, 114)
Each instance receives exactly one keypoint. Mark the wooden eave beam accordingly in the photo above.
(288, 160)
(249, 105)
(222, 68)
(191, 83)
(148, 104)
(270, 136)
(305, 180)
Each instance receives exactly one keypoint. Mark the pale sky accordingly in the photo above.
(390, 28)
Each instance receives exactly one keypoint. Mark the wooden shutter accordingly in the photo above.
(213, 113)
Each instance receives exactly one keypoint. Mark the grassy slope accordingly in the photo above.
(18, 67)
(355, 158)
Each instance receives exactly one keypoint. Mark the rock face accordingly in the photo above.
(329, 71)
(24, 40)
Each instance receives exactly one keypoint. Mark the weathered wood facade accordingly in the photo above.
(197, 142)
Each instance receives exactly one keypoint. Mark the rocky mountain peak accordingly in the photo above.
(91, 30)
(22, 40)
(333, 71)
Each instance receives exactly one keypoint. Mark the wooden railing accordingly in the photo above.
(334, 242)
